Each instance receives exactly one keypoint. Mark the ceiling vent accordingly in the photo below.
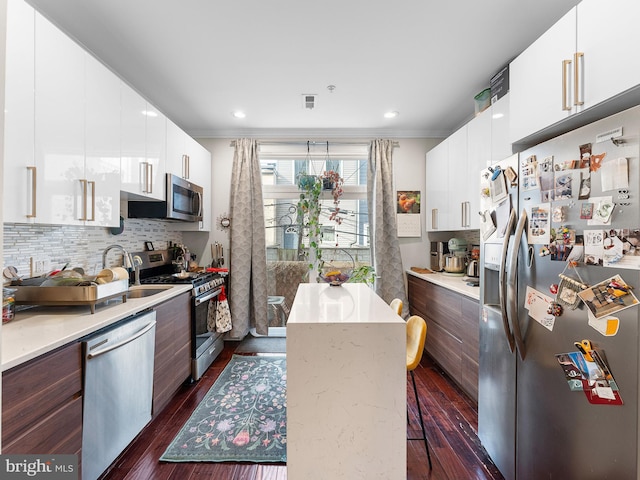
(309, 100)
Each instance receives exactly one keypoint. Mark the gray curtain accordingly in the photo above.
(248, 263)
(385, 246)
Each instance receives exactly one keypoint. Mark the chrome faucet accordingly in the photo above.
(127, 262)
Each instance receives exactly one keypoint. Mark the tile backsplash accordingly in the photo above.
(80, 246)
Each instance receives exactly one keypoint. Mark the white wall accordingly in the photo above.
(409, 173)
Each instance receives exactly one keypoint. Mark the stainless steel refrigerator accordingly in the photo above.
(531, 423)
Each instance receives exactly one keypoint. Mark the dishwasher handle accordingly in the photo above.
(139, 333)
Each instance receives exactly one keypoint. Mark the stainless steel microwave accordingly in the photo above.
(184, 202)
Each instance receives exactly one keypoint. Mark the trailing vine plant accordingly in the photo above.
(311, 188)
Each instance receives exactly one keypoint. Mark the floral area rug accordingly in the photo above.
(242, 418)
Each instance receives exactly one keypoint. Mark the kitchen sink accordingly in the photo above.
(145, 292)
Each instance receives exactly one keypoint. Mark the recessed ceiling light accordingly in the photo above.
(497, 115)
(149, 113)
(239, 114)
(393, 114)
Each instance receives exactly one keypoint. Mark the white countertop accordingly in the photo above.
(39, 330)
(457, 284)
(348, 303)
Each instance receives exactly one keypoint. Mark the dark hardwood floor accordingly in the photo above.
(451, 422)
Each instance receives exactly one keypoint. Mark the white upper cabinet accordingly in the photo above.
(143, 143)
(200, 174)
(19, 162)
(607, 53)
(500, 144)
(156, 150)
(102, 145)
(62, 152)
(177, 156)
(586, 58)
(540, 84)
(454, 166)
(458, 180)
(437, 188)
(59, 126)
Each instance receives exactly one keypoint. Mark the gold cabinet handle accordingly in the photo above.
(33, 172)
(565, 101)
(185, 167)
(434, 218)
(578, 58)
(84, 200)
(93, 201)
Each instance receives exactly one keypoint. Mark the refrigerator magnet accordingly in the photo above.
(607, 326)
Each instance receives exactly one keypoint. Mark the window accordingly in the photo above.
(282, 165)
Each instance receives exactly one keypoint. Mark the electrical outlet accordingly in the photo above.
(39, 266)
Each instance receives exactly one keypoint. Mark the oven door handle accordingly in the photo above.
(207, 297)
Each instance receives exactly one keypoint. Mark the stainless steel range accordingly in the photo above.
(158, 268)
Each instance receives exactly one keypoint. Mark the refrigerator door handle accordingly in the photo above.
(512, 286)
(502, 283)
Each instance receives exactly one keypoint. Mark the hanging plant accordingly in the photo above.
(311, 187)
(334, 179)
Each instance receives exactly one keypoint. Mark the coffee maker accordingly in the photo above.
(438, 251)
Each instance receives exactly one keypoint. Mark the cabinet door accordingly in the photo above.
(458, 180)
(199, 168)
(42, 404)
(59, 125)
(172, 357)
(500, 144)
(536, 80)
(134, 169)
(176, 150)
(604, 36)
(102, 144)
(19, 113)
(436, 187)
(155, 151)
(478, 156)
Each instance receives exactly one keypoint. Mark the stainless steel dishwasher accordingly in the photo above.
(118, 388)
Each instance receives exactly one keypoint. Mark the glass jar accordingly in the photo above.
(8, 304)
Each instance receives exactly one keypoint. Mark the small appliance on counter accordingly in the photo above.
(455, 262)
(473, 268)
(438, 251)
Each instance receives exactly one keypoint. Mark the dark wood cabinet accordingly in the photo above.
(452, 330)
(42, 404)
(172, 364)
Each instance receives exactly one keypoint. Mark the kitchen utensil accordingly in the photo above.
(120, 273)
(454, 263)
(106, 275)
(473, 269)
(11, 273)
(8, 304)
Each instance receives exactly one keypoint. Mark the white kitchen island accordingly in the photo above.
(346, 386)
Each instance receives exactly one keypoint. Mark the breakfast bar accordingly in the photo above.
(346, 385)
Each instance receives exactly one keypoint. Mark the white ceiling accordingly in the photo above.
(199, 60)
